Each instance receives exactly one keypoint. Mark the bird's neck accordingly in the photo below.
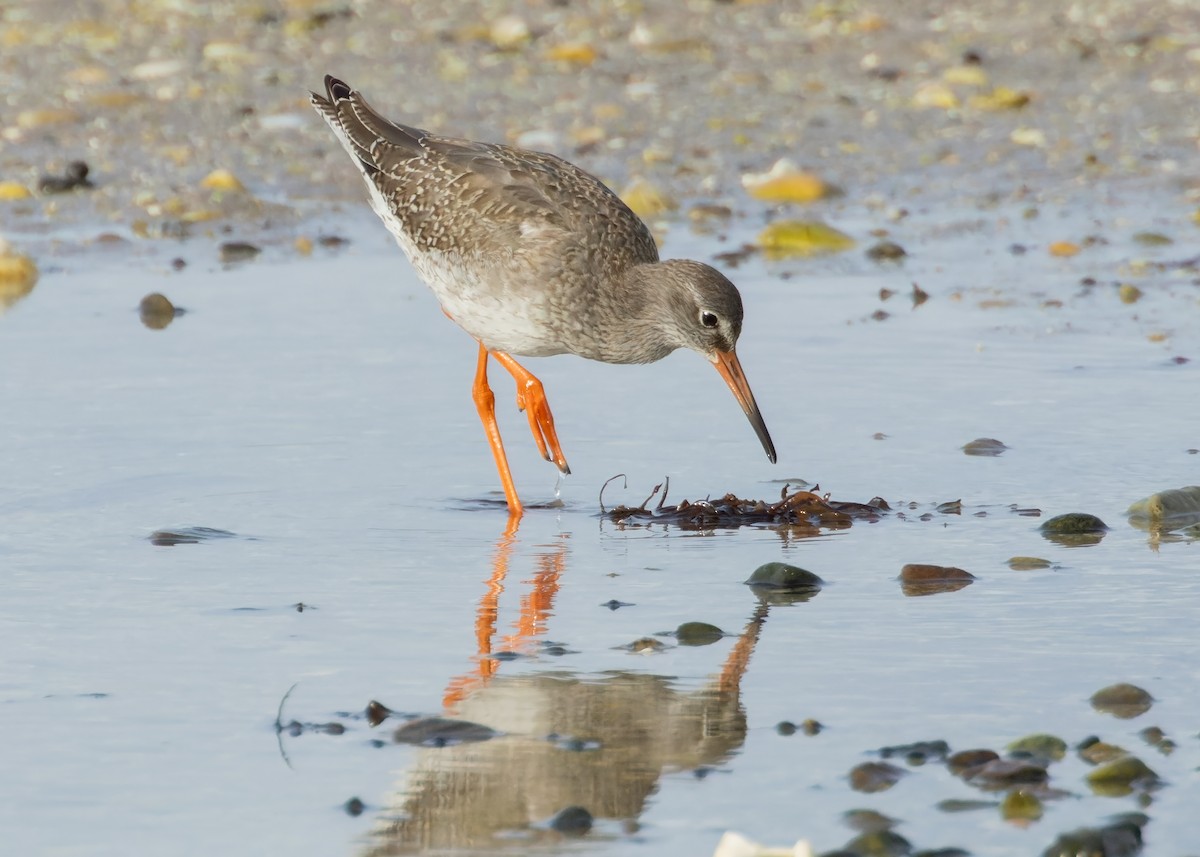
(630, 319)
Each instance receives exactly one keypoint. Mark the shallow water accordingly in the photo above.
(320, 410)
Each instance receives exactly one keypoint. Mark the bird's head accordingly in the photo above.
(700, 309)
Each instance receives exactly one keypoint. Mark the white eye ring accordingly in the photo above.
(708, 319)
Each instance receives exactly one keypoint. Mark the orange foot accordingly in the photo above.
(531, 398)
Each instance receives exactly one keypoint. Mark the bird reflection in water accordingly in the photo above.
(599, 741)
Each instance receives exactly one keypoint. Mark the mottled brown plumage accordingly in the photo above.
(533, 256)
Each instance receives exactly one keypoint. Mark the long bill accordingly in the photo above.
(726, 362)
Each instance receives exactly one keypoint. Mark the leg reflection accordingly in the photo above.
(536, 607)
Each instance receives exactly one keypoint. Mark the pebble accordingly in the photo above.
(13, 191)
(984, 446)
(871, 777)
(442, 731)
(572, 821)
(886, 251)
(785, 182)
(1004, 773)
(74, 177)
(1122, 700)
(156, 311)
(222, 179)
(18, 275)
(238, 251)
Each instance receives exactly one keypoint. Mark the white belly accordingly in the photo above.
(501, 319)
(506, 311)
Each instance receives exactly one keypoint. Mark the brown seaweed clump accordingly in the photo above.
(799, 508)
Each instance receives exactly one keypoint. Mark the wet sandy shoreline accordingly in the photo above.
(889, 102)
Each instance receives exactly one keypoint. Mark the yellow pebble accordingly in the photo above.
(965, 75)
(10, 191)
(1000, 98)
(802, 238)
(46, 116)
(646, 199)
(1129, 293)
(222, 179)
(18, 275)
(784, 183)
(576, 53)
(199, 215)
(937, 95)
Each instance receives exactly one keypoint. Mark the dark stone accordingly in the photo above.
(441, 732)
(75, 177)
(572, 821)
(870, 777)
(354, 807)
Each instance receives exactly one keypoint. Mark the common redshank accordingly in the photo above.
(533, 256)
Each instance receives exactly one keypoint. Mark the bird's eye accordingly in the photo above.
(708, 319)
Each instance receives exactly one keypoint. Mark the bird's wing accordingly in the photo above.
(503, 184)
(510, 192)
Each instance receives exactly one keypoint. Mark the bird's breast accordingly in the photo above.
(498, 306)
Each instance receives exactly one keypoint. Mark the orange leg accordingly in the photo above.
(485, 403)
(531, 398)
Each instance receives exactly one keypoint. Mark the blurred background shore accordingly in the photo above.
(192, 118)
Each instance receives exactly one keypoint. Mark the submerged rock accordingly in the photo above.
(917, 753)
(1027, 563)
(354, 807)
(1074, 529)
(871, 777)
(1122, 700)
(1073, 524)
(918, 579)
(698, 634)
(1099, 752)
(879, 843)
(781, 575)
(441, 732)
(1021, 805)
(984, 446)
(1120, 839)
(157, 311)
(1121, 776)
(964, 805)
(1040, 745)
(965, 762)
(886, 251)
(867, 820)
(188, 536)
(1173, 509)
(377, 712)
(232, 252)
(572, 821)
(1005, 773)
(644, 646)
